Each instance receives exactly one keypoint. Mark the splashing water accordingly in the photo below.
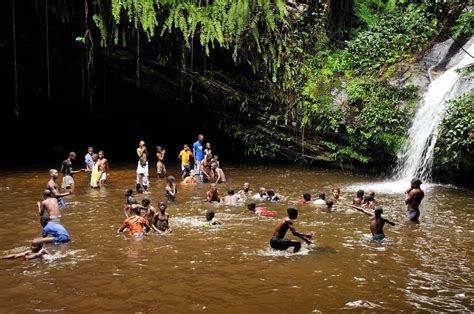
(416, 158)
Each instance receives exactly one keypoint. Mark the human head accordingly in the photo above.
(186, 147)
(162, 206)
(415, 183)
(95, 157)
(146, 201)
(90, 150)
(213, 187)
(371, 196)
(329, 203)
(192, 173)
(44, 220)
(230, 192)
(307, 196)
(128, 192)
(251, 205)
(270, 192)
(210, 215)
(101, 154)
(246, 186)
(158, 149)
(141, 144)
(322, 195)
(47, 194)
(360, 194)
(214, 165)
(200, 138)
(208, 145)
(72, 155)
(378, 211)
(53, 173)
(336, 192)
(170, 179)
(262, 191)
(292, 212)
(36, 246)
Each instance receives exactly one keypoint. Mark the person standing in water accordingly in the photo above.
(212, 196)
(160, 165)
(54, 228)
(89, 163)
(245, 192)
(278, 242)
(171, 189)
(66, 168)
(50, 205)
(135, 225)
(103, 168)
(160, 221)
(184, 156)
(95, 177)
(359, 198)
(54, 187)
(198, 155)
(376, 222)
(413, 197)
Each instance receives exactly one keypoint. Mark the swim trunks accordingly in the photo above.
(378, 237)
(68, 181)
(61, 238)
(186, 169)
(283, 244)
(412, 215)
(103, 176)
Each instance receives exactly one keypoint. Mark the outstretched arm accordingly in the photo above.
(305, 237)
(361, 210)
(122, 228)
(389, 222)
(36, 255)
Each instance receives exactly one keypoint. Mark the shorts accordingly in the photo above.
(378, 237)
(68, 181)
(413, 215)
(61, 202)
(137, 235)
(61, 239)
(283, 244)
(185, 168)
(103, 176)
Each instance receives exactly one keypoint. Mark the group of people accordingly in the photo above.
(144, 217)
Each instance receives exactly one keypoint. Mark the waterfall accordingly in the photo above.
(416, 157)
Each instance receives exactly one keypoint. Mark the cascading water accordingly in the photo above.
(416, 158)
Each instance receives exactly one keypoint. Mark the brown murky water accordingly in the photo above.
(231, 268)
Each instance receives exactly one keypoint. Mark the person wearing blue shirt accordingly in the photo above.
(58, 232)
(198, 154)
(89, 163)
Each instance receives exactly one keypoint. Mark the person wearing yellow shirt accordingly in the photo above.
(184, 155)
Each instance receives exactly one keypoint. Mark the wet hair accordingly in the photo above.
(270, 192)
(415, 182)
(251, 205)
(329, 203)
(378, 211)
(209, 215)
(322, 195)
(38, 245)
(230, 191)
(360, 193)
(292, 212)
(306, 196)
(47, 193)
(146, 201)
(129, 192)
(44, 220)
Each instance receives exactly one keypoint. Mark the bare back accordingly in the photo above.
(51, 206)
(413, 201)
(282, 227)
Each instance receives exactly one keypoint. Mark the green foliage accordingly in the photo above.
(464, 25)
(466, 70)
(368, 11)
(393, 37)
(455, 146)
(80, 39)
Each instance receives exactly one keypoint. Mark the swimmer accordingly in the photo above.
(305, 199)
(279, 243)
(211, 219)
(271, 197)
(376, 222)
(261, 195)
(212, 196)
(330, 208)
(359, 198)
(245, 192)
(413, 197)
(150, 210)
(36, 250)
(231, 198)
(321, 200)
(191, 179)
(260, 211)
(336, 194)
